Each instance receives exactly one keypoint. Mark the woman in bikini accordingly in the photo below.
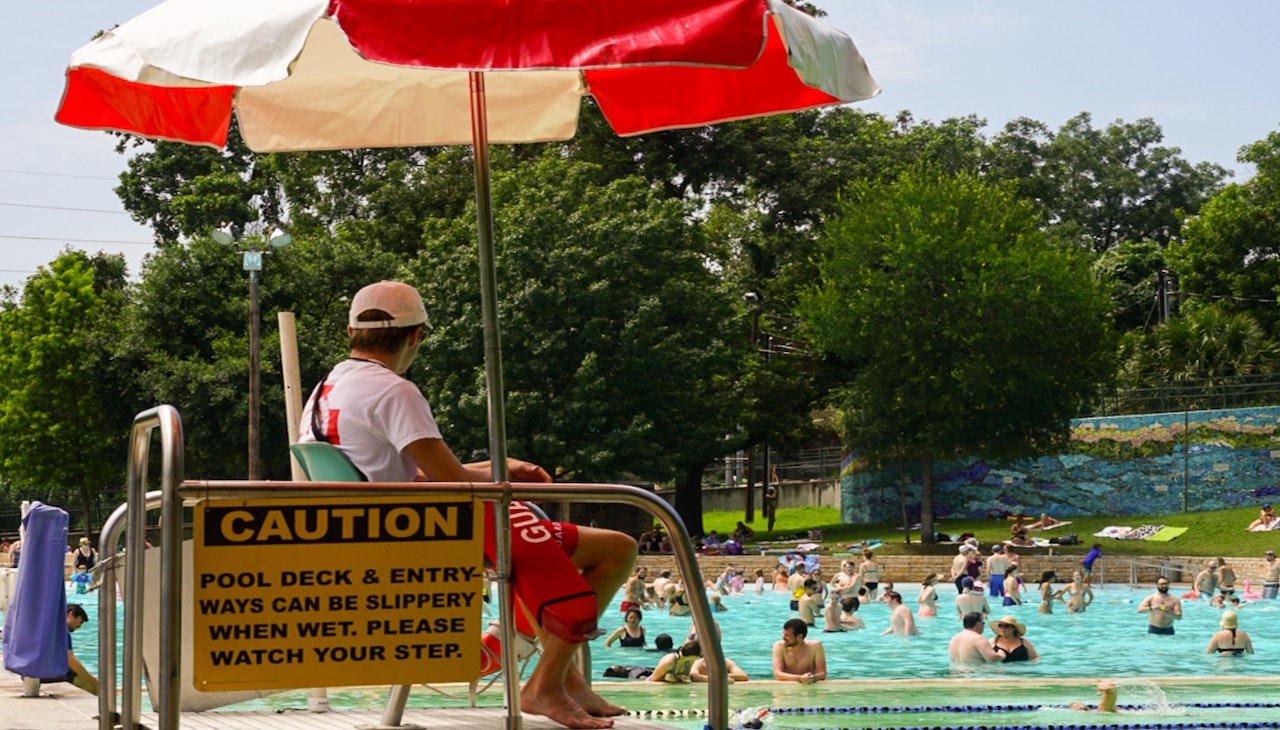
(870, 571)
(1230, 641)
(630, 633)
(1078, 594)
(1048, 596)
(928, 598)
(1009, 641)
(1012, 586)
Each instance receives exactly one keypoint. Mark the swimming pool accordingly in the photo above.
(910, 682)
(1109, 640)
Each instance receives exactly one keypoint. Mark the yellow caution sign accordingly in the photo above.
(351, 591)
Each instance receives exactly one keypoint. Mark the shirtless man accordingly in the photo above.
(848, 607)
(972, 600)
(1271, 581)
(810, 604)
(1078, 594)
(969, 646)
(847, 581)
(958, 564)
(995, 570)
(1206, 582)
(660, 588)
(633, 596)
(797, 659)
(1162, 609)
(901, 622)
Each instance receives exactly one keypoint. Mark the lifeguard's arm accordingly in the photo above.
(664, 666)
(437, 463)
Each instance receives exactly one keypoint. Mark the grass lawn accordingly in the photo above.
(1220, 533)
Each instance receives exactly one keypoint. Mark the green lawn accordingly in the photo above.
(1220, 533)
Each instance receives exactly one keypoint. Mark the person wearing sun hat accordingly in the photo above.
(1010, 641)
(1231, 640)
(86, 558)
(384, 425)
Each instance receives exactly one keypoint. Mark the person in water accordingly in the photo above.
(1162, 609)
(797, 658)
(1231, 640)
(1048, 596)
(631, 633)
(969, 646)
(1010, 642)
(678, 665)
(1106, 698)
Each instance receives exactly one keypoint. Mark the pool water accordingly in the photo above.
(1108, 640)
(909, 682)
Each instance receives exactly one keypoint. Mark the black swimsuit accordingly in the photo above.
(1017, 654)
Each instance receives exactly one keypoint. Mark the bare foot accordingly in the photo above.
(560, 708)
(590, 701)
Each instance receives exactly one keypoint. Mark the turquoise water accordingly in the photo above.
(1109, 640)
(870, 670)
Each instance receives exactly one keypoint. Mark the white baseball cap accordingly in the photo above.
(396, 298)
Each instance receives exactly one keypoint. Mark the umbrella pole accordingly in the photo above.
(497, 393)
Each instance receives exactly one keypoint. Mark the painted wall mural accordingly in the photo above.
(1119, 465)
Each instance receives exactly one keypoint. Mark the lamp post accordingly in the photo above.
(251, 258)
(752, 299)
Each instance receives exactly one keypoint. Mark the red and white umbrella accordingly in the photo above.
(340, 74)
(337, 74)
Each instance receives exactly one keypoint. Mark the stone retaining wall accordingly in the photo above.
(911, 569)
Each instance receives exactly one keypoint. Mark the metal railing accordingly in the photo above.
(173, 488)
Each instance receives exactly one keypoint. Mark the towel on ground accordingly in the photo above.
(1143, 532)
(1113, 531)
(1168, 533)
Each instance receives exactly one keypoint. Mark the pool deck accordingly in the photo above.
(63, 707)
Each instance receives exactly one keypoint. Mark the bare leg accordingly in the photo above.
(556, 688)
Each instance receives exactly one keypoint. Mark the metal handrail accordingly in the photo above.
(173, 488)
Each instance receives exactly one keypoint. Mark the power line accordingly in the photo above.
(58, 239)
(56, 174)
(60, 207)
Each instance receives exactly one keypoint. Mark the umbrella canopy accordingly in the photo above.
(337, 74)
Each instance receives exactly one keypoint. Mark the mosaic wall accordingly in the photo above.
(1147, 464)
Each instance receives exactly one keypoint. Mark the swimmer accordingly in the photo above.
(969, 646)
(631, 633)
(678, 604)
(958, 564)
(797, 658)
(633, 591)
(698, 672)
(901, 622)
(1078, 595)
(1012, 586)
(1230, 641)
(780, 577)
(717, 603)
(1226, 578)
(996, 564)
(1048, 596)
(928, 597)
(1162, 609)
(1107, 703)
(869, 569)
(1010, 642)
(1271, 579)
(810, 604)
(973, 600)
(847, 581)
(678, 665)
(1206, 581)
(848, 607)
(660, 586)
(759, 581)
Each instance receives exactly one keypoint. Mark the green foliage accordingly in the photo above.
(615, 357)
(964, 331)
(61, 420)
(1207, 345)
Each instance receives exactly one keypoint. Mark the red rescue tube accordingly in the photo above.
(543, 576)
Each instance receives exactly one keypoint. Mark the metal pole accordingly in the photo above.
(1186, 456)
(254, 350)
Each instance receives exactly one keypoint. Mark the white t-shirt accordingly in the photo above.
(371, 414)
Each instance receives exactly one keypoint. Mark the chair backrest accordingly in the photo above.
(323, 462)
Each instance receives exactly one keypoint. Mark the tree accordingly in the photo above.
(1231, 250)
(62, 426)
(1208, 346)
(616, 360)
(966, 333)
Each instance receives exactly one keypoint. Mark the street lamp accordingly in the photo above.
(251, 257)
(753, 299)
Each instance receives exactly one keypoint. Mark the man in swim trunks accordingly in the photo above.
(901, 622)
(969, 646)
(1206, 581)
(995, 570)
(797, 659)
(383, 424)
(1271, 580)
(76, 673)
(1162, 609)
(633, 593)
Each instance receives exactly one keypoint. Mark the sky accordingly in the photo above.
(1192, 67)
